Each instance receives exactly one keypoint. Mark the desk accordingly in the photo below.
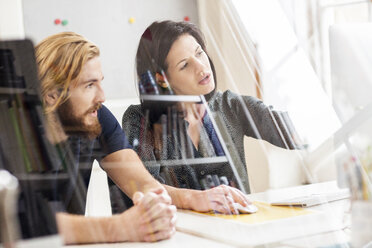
(179, 240)
(200, 231)
(328, 224)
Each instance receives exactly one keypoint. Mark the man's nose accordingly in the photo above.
(100, 97)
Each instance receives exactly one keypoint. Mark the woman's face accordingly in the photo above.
(189, 71)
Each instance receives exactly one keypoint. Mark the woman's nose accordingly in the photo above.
(199, 67)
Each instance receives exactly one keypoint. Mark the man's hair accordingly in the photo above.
(60, 59)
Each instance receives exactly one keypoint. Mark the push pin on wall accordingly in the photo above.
(186, 19)
(57, 21)
(64, 22)
(131, 20)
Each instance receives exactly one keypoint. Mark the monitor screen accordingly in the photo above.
(351, 59)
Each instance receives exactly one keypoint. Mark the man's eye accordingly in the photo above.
(90, 85)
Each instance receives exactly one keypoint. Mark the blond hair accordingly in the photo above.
(60, 59)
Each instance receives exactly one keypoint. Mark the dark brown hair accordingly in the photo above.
(158, 39)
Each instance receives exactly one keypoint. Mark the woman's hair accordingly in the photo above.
(60, 59)
(158, 39)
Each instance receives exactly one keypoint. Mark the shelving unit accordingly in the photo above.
(42, 176)
(201, 166)
(4, 90)
(26, 152)
(189, 161)
(170, 98)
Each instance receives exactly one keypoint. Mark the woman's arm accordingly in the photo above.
(255, 118)
(219, 199)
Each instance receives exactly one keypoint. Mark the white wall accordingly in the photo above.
(11, 20)
(227, 46)
(106, 23)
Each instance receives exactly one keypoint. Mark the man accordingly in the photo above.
(71, 76)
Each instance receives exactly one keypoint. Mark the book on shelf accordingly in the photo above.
(52, 151)
(11, 141)
(174, 132)
(8, 74)
(2, 157)
(181, 163)
(164, 137)
(28, 132)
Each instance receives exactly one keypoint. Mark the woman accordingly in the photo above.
(178, 50)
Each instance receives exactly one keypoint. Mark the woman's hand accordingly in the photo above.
(219, 199)
(151, 218)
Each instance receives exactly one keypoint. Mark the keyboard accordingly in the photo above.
(314, 199)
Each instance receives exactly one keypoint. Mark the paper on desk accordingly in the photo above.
(269, 224)
(265, 213)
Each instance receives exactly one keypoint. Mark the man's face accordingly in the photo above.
(78, 114)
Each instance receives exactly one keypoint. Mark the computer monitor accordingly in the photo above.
(351, 60)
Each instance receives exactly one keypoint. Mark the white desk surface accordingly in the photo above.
(328, 226)
(179, 240)
(205, 231)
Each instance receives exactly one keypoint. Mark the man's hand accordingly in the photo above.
(151, 218)
(219, 199)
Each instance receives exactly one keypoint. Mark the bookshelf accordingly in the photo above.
(189, 161)
(41, 169)
(5, 90)
(202, 169)
(170, 98)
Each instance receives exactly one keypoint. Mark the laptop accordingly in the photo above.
(314, 199)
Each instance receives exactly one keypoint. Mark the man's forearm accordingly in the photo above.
(78, 229)
(126, 169)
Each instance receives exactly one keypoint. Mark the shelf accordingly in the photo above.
(171, 98)
(189, 161)
(6, 90)
(42, 177)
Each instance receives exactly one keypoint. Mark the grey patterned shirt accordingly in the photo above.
(236, 116)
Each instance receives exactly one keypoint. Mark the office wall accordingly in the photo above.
(227, 45)
(11, 20)
(106, 23)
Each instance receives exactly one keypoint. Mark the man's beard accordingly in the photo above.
(74, 125)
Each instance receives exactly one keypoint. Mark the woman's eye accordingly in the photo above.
(200, 52)
(184, 66)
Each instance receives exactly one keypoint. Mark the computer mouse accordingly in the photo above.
(250, 209)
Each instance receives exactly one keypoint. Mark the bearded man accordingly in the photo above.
(70, 73)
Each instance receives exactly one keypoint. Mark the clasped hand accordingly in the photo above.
(152, 217)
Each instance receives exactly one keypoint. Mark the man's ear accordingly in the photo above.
(51, 97)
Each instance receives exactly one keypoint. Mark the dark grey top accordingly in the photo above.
(235, 116)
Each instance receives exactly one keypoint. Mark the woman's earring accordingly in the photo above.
(162, 81)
